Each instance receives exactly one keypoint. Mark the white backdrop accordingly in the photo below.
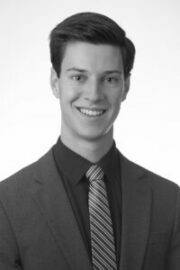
(148, 128)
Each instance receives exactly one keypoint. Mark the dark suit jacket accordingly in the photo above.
(38, 230)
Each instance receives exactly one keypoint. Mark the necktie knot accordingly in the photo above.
(95, 173)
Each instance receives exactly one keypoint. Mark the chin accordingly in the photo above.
(93, 136)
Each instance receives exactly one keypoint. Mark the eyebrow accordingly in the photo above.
(76, 69)
(113, 71)
(84, 70)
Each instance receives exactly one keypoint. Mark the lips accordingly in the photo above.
(91, 112)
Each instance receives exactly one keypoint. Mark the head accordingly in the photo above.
(92, 28)
(91, 63)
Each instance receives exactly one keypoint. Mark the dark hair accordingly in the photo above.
(93, 28)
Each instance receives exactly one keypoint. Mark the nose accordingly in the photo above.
(93, 91)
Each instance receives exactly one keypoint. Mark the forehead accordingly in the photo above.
(92, 56)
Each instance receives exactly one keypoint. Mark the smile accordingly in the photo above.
(91, 113)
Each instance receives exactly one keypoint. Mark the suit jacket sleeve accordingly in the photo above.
(8, 245)
(174, 252)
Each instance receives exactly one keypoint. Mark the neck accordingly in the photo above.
(92, 150)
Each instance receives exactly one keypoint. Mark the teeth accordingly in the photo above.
(91, 112)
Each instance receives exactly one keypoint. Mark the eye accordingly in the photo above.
(78, 77)
(111, 79)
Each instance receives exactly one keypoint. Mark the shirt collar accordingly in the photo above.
(109, 163)
(75, 166)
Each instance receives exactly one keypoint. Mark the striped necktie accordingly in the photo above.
(101, 229)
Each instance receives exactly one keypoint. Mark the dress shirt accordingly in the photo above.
(72, 169)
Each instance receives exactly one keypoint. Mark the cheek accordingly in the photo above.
(68, 93)
(115, 97)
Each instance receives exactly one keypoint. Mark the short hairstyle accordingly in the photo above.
(94, 28)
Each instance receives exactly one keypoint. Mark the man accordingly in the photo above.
(83, 205)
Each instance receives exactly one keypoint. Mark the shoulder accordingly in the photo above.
(22, 180)
(157, 182)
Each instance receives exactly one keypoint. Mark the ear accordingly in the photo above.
(126, 87)
(54, 82)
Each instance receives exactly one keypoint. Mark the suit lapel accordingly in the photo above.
(136, 202)
(54, 204)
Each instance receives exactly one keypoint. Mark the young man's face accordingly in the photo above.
(91, 87)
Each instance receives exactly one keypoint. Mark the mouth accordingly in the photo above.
(91, 112)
